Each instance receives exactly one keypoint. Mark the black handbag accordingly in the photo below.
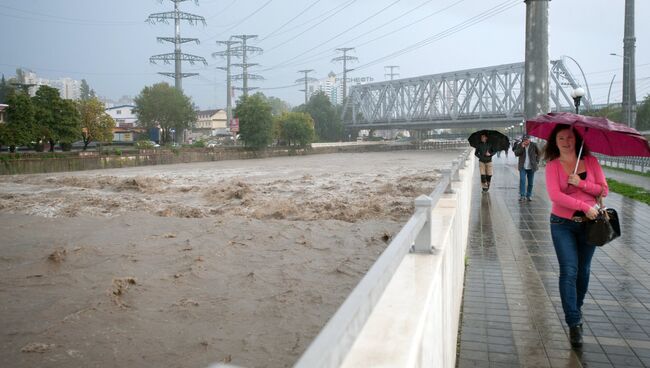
(605, 227)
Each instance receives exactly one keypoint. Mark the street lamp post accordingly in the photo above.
(628, 90)
(521, 128)
(577, 94)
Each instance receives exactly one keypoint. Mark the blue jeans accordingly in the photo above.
(523, 175)
(574, 256)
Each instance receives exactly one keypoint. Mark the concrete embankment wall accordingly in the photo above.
(75, 161)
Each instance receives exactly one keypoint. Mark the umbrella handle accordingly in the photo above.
(578, 160)
(580, 152)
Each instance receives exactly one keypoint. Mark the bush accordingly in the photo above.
(144, 144)
(66, 146)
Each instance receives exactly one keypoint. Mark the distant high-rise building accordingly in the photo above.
(69, 88)
(333, 86)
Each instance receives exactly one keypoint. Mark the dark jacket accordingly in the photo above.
(482, 149)
(533, 155)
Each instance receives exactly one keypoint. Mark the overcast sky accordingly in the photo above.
(108, 43)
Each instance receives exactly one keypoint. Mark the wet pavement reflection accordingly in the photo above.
(512, 314)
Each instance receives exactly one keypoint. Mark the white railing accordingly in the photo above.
(634, 163)
(405, 310)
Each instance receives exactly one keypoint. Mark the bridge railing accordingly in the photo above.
(634, 163)
(406, 307)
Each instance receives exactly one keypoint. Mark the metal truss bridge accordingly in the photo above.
(482, 97)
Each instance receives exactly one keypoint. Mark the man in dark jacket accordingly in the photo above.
(528, 154)
(484, 152)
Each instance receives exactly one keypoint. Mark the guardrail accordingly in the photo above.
(634, 163)
(332, 346)
(416, 285)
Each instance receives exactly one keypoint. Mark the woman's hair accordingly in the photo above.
(551, 150)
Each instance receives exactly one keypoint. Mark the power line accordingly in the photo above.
(69, 20)
(343, 32)
(455, 29)
(312, 27)
(290, 20)
(323, 17)
(316, 56)
(242, 20)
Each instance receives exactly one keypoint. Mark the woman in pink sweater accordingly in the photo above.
(574, 196)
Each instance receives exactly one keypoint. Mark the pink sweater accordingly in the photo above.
(567, 198)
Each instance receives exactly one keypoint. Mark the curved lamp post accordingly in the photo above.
(577, 94)
(628, 106)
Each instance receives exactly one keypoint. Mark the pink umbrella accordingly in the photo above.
(601, 135)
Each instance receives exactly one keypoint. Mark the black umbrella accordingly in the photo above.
(497, 140)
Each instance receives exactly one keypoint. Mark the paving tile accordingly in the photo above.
(513, 315)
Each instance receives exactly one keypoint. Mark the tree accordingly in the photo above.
(278, 106)
(296, 128)
(57, 120)
(327, 122)
(255, 121)
(166, 107)
(19, 129)
(5, 89)
(86, 93)
(643, 115)
(96, 124)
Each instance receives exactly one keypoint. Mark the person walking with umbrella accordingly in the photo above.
(574, 182)
(487, 143)
(528, 154)
(484, 152)
(573, 194)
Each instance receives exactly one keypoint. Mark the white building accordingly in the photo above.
(124, 116)
(3, 109)
(333, 86)
(68, 88)
(209, 123)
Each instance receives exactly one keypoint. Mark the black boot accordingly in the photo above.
(575, 336)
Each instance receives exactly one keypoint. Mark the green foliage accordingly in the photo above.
(278, 106)
(144, 143)
(96, 124)
(327, 122)
(164, 106)
(199, 144)
(56, 119)
(84, 90)
(255, 121)
(643, 115)
(19, 129)
(295, 128)
(613, 113)
(631, 191)
(5, 89)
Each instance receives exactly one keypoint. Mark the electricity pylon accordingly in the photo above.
(244, 50)
(345, 59)
(228, 53)
(177, 56)
(306, 79)
(391, 74)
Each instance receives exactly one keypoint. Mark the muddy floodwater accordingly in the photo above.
(186, 265)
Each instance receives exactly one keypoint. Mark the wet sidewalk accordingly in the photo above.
(512, 314)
